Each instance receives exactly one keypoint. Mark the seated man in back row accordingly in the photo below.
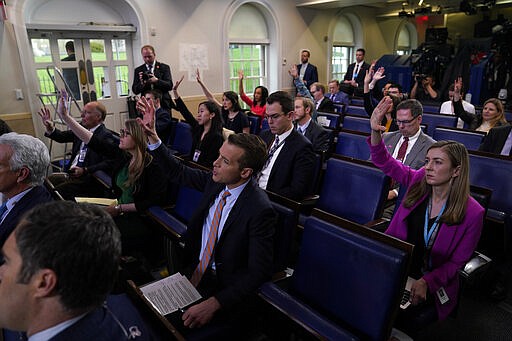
(291, 160)
(228, 244)
(314, 132)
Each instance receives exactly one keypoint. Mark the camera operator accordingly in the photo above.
(153, 75)
(423, 89)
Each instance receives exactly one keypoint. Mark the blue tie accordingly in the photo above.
(3, 208)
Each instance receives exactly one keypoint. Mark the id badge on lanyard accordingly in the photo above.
(197, 152)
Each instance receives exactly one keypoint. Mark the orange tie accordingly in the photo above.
(210, 244)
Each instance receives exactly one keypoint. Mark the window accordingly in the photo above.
(248, 48)
(341, 58)
(342, 48)
(250, 59)
(405, 40)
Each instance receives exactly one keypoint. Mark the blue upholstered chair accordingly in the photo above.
(347, 283)
(357, 123)
(356, 111)
(471, 139)
(434, 120)
(353, 144)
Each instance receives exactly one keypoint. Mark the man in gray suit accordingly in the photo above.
(408, 144)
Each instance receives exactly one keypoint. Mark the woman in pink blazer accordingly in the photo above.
(437, 215)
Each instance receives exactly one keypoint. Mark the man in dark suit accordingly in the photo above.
(322, 103)
(163, 116)
(498, 141)
(153, 75)
(23, 163)
(307, 72)
(314, 132)
(234, 218)
(83, 161)
(63, 261)
(291, 159)
(354, 78)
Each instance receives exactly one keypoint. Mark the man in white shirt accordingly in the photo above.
(447, 107)
(354, 78)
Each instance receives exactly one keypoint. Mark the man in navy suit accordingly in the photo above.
(291, 159)
(229, 240)
(307, 72)
(354, 78)
(305, 125)
(153, 75)
(23, 164)
(62, 261)
(335, 95)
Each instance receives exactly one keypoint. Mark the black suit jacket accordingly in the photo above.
(93, 160)
(35, 196)
(243, 254)
(318, 136)
(359, 79)
(326, 105)
(310, 75)
(292, 171)
(164, 84)
(163, 124)
(495, 139)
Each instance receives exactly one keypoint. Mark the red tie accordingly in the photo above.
(210, 244)
(403, 149)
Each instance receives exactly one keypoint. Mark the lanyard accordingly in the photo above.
(427, 232)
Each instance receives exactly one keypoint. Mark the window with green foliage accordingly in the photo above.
(251, 59)
(341, 58)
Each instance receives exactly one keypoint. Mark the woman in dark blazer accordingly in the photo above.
(206, 129)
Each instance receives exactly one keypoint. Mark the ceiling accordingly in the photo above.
(391, 8)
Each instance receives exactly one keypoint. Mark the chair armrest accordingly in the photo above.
(302, 314)
(380, 224)
(170, 224)
(103, 178)
(479, 263)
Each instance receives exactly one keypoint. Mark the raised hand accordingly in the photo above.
(379, 112)
(44, 113)
(379, 74)
(62, 109)
(369, 74)
(240, 74)
(177, 84)
(198, 76)
(147, 109)
(293, 71)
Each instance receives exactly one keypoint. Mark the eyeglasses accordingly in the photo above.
(405, 122)
(274, 116)
(124, 133)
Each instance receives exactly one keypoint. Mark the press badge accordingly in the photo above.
(81, 155)
(443, 297)
(196, 155)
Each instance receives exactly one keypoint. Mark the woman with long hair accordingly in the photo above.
(258, 104)
(206, 129)
(136, 178)
(232, 115)
(493, 112)
(438, 216)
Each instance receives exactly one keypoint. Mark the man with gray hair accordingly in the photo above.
(23, 163)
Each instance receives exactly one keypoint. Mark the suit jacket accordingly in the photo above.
(454, 244)
(291, 174)
(310, 75)
(359, 79)
(318, 136)
(93, 160)
(243, 254)
(163, 124)
(495, 139)
(416, 157)
(164, 84)
(340, 97)
(35, 196)
(326, 105)
(104, 324)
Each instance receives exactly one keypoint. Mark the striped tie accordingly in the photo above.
(210, 244)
